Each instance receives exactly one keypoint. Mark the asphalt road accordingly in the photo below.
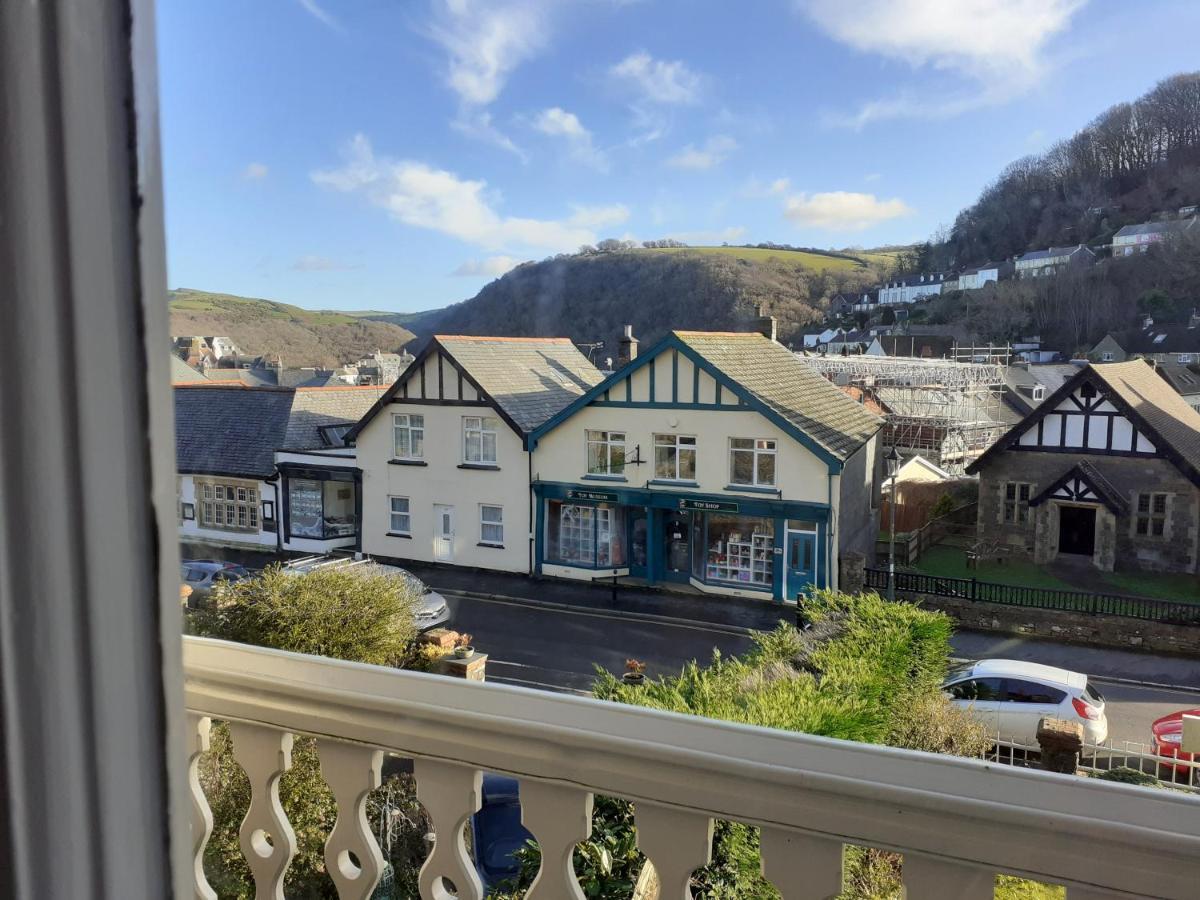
(557, 649)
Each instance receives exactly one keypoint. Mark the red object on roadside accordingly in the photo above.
(1168, 733)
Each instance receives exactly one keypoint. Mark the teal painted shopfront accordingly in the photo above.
(776, 548)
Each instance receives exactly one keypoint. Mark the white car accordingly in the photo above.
(1010, 697)
(431, 611)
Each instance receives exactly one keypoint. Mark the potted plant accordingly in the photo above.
(463, 647)
(635, 672)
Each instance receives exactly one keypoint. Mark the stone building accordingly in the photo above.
(1107, 468)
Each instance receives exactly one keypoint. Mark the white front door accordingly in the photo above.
(443, 532)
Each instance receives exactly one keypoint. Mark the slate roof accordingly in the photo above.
(778, 379)
(1165, 338)
(1185, 379)
(229, 430)
(314, 407)
(1034, 255)
(182, 373)
(530, 379)
(1168, 227)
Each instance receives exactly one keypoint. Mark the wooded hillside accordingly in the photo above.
(300, 337)
(589, 297)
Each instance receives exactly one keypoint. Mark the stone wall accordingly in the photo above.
(1076, 628)
(1178, 550)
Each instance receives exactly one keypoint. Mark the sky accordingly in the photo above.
(400, 154)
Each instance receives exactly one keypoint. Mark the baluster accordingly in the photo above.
(199, 728)
(559, 818)
(352, 771)
(927, 878)
(266, 836)
(450, 793)
(677, 843)
(802, 866)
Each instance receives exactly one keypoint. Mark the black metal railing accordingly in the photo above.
(1147, 608)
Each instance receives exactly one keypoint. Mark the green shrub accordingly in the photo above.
(360, 617)
(1126, 775)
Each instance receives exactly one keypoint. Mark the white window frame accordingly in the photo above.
(676, 443)
(496, 523)
(602, 438)
(409, 428)
(483, 427)
(393, 513)
(1106, 356)
(225, 505)
(758, 448)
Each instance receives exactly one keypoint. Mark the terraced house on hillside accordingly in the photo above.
(1106, 469)
(714, 460)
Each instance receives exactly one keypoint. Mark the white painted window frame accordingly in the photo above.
(673, 441)
(409, 428)
(755, 452)
(486, 523)
(482, 429)
(392, 529)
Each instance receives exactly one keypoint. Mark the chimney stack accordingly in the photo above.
(627, 347)
(765, 324)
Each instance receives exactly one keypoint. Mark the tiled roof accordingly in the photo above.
(530, 379)
(1169, 227)
(776, 378)
(1157, 403)
(315, 407)
(228, 430)
(182, 373)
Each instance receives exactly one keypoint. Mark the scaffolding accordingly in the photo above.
(946, 410)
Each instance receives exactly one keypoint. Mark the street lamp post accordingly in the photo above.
(893, 466)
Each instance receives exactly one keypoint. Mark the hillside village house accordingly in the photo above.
(1038, 263)
(1140, 238)
(715, 460)
(1106, 470)
(1174, 342)
(445, 472)
(910, 288)
(976, 277)
(1185, 379)
(266, 468)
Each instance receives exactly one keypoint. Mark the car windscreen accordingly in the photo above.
(958, 673)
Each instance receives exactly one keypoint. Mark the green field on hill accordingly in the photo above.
(186, 300)
(798, 258)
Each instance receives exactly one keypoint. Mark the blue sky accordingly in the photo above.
(399, 155)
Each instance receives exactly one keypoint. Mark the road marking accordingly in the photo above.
(541, 685)
(669, 621)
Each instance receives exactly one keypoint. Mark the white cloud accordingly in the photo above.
(998, 45)
(557, 122)
(477, 124)
(322, 264)
(256, 171)
(843, 210)
(492, 267)
(757, 190)
(425, 197)
(713, 152)
(659, 81)
(314, 9)
(599, 216)
(485, 41)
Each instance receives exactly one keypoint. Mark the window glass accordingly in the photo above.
(740, 550)
(752, 461)
(304, 507)
(399, 522)
(1019, 691)
(985, 689)
(1151, 517)
(479, 439)
(605, 452)
(586, 535)
(409, 435)
(227, 507)
(1016, 501)
(675, 457)
(339, 517)
(491, 524)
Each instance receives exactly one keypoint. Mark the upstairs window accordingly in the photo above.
(408, 432)
(675, 457)
(1151, 517)
(605, 452)
(752, 462)
(479, 439)
(1016, 501)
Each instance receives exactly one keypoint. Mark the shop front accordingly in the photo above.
(321, 507)
(725, 545)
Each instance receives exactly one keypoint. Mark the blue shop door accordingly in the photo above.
(801, 563)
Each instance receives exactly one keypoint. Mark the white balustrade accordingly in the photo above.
(956, 822)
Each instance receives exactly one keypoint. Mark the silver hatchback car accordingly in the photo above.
(432, 610)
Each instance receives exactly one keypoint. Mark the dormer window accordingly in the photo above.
(1038, 392)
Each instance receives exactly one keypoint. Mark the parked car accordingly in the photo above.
(1167, 735)
(202, 574)
(497, 832)
(1010, 697)
(432, 610)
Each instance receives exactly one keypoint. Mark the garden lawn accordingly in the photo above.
(951, 562)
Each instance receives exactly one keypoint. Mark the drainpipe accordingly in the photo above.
(278, 515)
(532, 520)
(831, 550)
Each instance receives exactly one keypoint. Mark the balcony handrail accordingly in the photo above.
(1036, 824)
